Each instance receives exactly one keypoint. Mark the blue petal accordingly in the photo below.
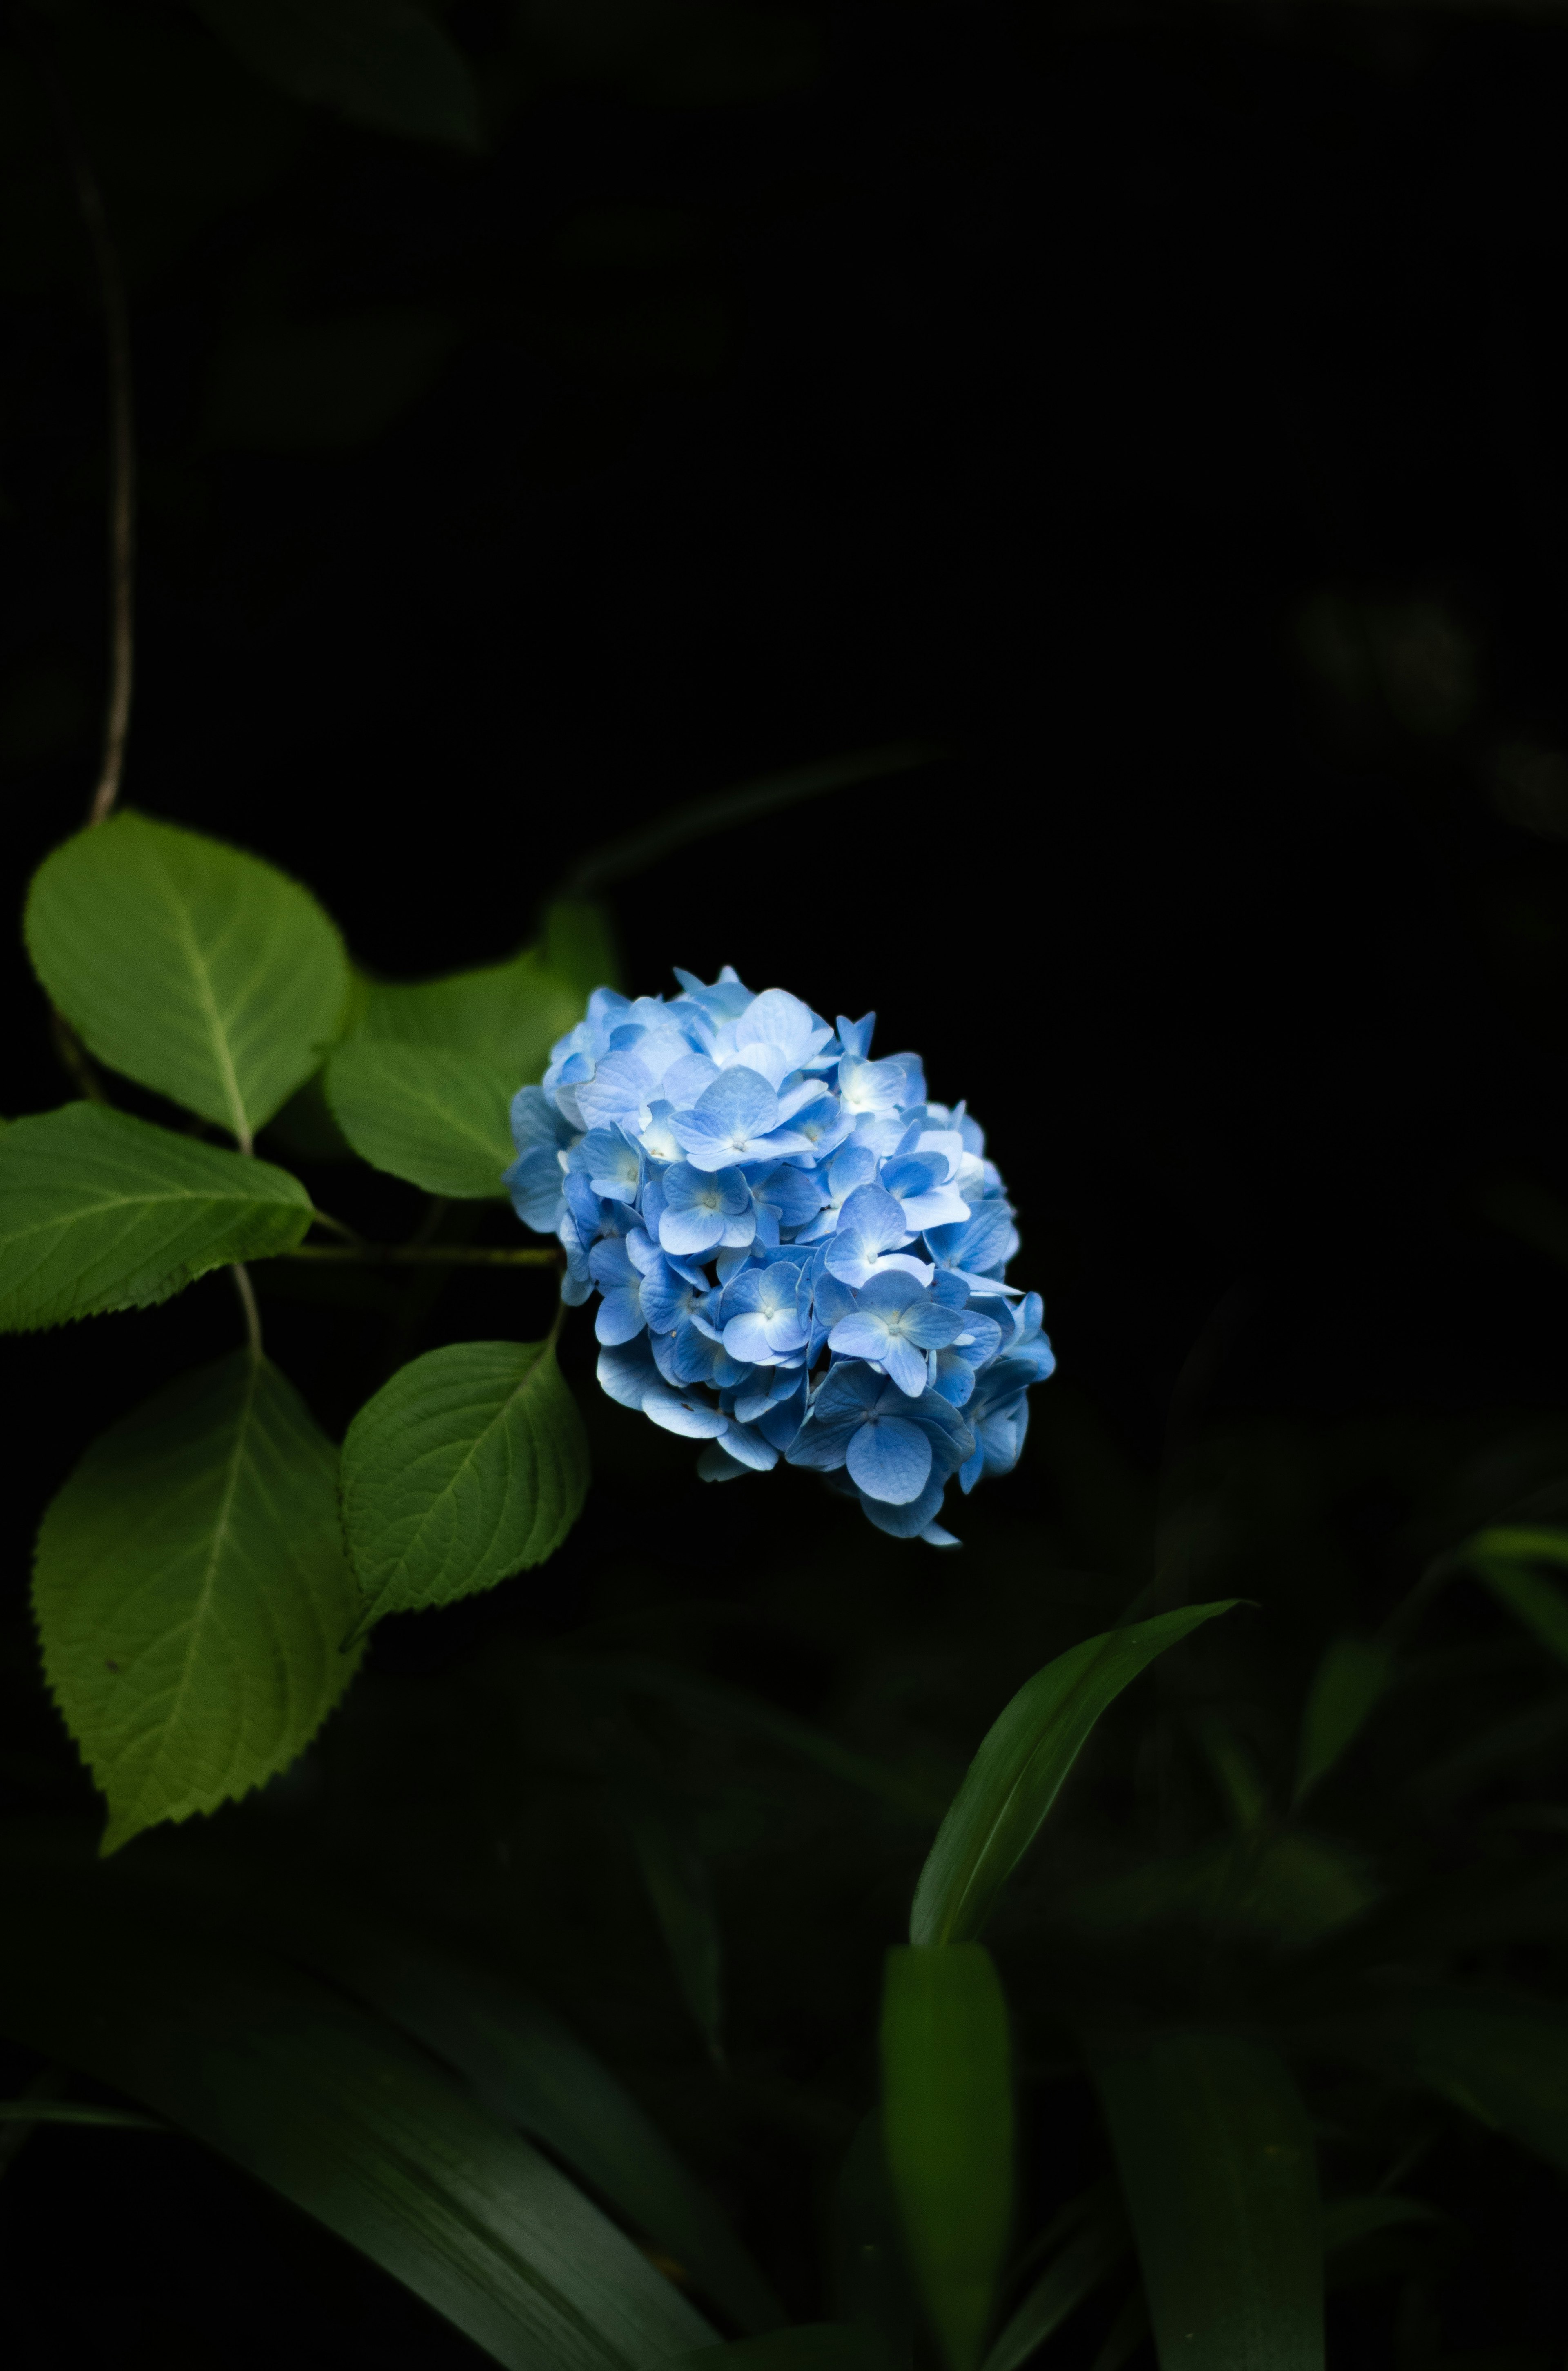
(890, 1460)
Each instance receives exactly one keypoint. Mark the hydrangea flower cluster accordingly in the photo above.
(798, 1254)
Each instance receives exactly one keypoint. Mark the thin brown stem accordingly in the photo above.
(121, 428)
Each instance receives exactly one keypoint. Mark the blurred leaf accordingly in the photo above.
(579, 947)
(1347, 1684)
(346, 2119)
(76, 2112)
(281, 385)
(809, 2347)
(304, 1128)
(1217, 2166)
(194, 969)
(871, 2282)
(1124, 2337)
(1290, 1888)
(1503, 2057)
(381, 62)
(715, 1702)
(99, 1211)
(625, 859)
(508, 1015)
(1020, 1767)
(1236, 1773)
(529, 2067)
(1082, 2264)
(429, 1114)
(677, 1880)
(947, 2123)
(468, 1466)
(1348, 2220)
(1503, 1557)
(191, 1591)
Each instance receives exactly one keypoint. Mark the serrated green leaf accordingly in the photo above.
(1218, 2171)
(191, 1593)
(429, 1114)
(381, 62)
(469, 1465)
(1078, 2270)
(508, 1014)
(947, 2127)
(346, 2119)
(1347, 1684)
(190, 966)
(1019, 1769)
(99, 1211)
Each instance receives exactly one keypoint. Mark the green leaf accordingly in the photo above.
(194, 969)
(1503, 2057)
(578, 945)
(191, 1591)
(947, 2126)
(346, 2119)
(76, 2112)
(1503, 1557)
(1348, 2220)
(1348, 1683)
(1019, 1769)
(712, 1701)
(381, 62)
(531, 2067)
(429, 1114)
(469, 1465)
(1061, 2289)
(1217, 2167)
(508, 1014)
(99, 1211)
(809, 2347)
(677, 1886)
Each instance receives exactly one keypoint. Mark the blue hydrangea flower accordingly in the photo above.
(796, 1254)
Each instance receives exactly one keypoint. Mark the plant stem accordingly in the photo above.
(247, 1292)
(121, 431)
(419, 1256)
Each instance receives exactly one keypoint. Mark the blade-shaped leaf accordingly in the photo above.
(677, 1886)
(429, 1114)
(1347, 2220)
(189, 965)
(809, 2347)
(381, 62)
(1080, 2267)
(1503, 1558)
(1019, 1771)
(191, 1593)
(1348, 1682)
(1503, 2057)
(580, 946)
(99, 1211)
(529, 2067)
(508, 1014)
(346, 2119)
(469, 1465)
(947, 2126)
(1217, 2167)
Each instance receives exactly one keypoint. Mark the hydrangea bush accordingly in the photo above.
(797, 1252)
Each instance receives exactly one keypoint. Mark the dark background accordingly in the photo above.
(1157, 409)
